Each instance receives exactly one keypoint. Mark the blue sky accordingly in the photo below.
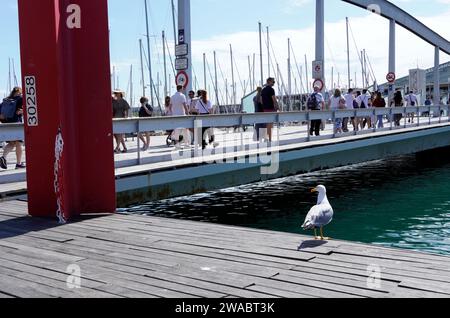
(219, 22)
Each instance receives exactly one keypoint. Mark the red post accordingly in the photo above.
(67, 90)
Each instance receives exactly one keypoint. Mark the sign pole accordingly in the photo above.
(184, 35)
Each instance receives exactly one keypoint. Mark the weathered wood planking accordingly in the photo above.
(148, 257)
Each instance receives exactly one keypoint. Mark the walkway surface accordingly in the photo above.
(146, 257)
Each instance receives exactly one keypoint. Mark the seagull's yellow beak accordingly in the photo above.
(314, 190)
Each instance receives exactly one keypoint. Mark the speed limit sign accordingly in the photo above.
(182, 79)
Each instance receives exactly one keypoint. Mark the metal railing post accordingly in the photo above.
(308, 127)
(139, 142)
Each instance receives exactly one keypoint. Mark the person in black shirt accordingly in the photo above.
(257, 101)
(270, 103)
(145, 111)
(16, 97)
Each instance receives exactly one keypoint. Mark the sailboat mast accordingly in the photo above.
(149, 54)
(307, 75)
(205, 83)
(142, 67)
(9, 76)
(289, 73)
(216, 89)
(131, 86)
(268, 50)
(174, 24)
(348, 55)
(261, 54)
(232, 76)
(165, 63)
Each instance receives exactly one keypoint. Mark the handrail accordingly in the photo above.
(137, 125)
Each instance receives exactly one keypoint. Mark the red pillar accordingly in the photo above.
(67, 89)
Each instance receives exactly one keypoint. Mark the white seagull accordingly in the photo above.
(320, 215)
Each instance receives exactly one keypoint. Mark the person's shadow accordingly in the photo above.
(310, 244)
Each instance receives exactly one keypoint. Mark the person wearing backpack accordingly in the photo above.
(11, 112)
(315, 103)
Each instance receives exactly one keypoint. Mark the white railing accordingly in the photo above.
(434, 115)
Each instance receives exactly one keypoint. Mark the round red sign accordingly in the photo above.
(182, 79)
(319, 83)
(391, 77)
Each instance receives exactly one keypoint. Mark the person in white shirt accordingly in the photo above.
(337, 102)
(204, 107)
(411, 101)
(349, 99)
(178, 107)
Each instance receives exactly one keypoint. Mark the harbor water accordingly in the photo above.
(401, 202)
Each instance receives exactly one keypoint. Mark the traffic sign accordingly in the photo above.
(181, 64)
(181, 50)
(317, 69)
(319, 83)
(182, 79)
(391, 77)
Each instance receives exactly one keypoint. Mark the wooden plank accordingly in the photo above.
(351, 287)
(303, 290)
(278, 292)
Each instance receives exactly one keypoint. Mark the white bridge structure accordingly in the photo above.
(163, 172)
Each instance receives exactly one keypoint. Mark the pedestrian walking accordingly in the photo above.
(121, 110)
(270, 103)
(145, 111)
(11, 112)
(315, 102)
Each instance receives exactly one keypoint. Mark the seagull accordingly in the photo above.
(320, 215)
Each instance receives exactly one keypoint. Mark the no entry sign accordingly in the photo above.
(391, 77)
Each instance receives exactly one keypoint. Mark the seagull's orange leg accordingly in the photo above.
(322, 237)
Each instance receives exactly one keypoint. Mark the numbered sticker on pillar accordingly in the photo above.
(31, 101)
(74, 16)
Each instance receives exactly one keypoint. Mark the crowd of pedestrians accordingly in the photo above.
(265, 101)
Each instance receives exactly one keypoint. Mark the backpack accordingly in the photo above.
(313, 104)
(8, 109)
(363, 105)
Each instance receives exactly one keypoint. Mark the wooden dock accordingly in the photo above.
(148, 257)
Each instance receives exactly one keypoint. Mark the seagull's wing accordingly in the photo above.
(318, 216)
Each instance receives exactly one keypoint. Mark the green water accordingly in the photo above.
(401, 202)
